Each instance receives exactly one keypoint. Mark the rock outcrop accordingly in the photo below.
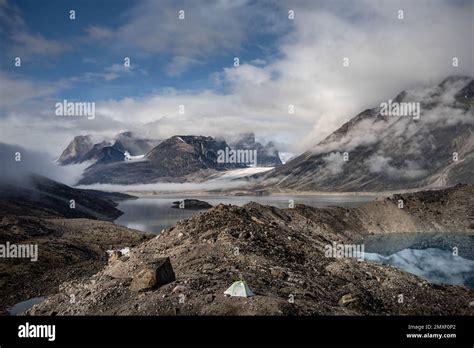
(82, 149)
(170, 161)
(191, 204)
(76, 150)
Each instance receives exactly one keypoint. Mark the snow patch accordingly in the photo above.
(130, 158)
(242, 173)
(286, 156)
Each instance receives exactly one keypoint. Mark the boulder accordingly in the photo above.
(153, 275)
(191, 204)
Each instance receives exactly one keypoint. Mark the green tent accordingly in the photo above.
(240, 289)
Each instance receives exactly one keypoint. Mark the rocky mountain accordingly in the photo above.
(138, 160)
(82, 149)
(267, 155)
(190, 151)
(385, 149)
(96, 152)
(108, 154)
(171, 160)
(280, 253)
(77, 150)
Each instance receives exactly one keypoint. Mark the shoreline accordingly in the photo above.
(237, 193)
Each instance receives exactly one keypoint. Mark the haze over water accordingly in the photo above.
(152, 214)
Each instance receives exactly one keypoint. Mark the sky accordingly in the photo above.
(282, 61)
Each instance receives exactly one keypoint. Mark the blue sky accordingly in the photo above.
(85, 55)
(189, 62)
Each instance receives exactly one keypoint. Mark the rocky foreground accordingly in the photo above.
(280, 254)
(72, 243)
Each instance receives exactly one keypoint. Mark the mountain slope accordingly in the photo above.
(40, 196)
(76, 150)
(171, 160)
(267, 155)
(82, 149)
(393, 152)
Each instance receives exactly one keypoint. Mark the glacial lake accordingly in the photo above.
(427, 255)
(441, 258)
(152, 214)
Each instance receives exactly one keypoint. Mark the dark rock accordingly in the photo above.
(106, 155)
(192, 204)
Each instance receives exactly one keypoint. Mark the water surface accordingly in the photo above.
(20, 307)
(152, 214)
(427, 255)
(441, 258)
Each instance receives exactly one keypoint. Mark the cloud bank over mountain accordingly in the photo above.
(302, 65)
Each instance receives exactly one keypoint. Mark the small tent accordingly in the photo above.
(240, 289)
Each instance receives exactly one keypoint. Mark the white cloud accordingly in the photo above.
(14, 91)
(26, 44)
(386, 56)
(34, 162)
(380, 164)
(246, 76)
(110, 73)
(155, 27)
(334, 163)
(179, 65)
(30, 45)
(115, 71)
(99, 32)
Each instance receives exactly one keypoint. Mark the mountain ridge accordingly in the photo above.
(386, 152)
(170, 161)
